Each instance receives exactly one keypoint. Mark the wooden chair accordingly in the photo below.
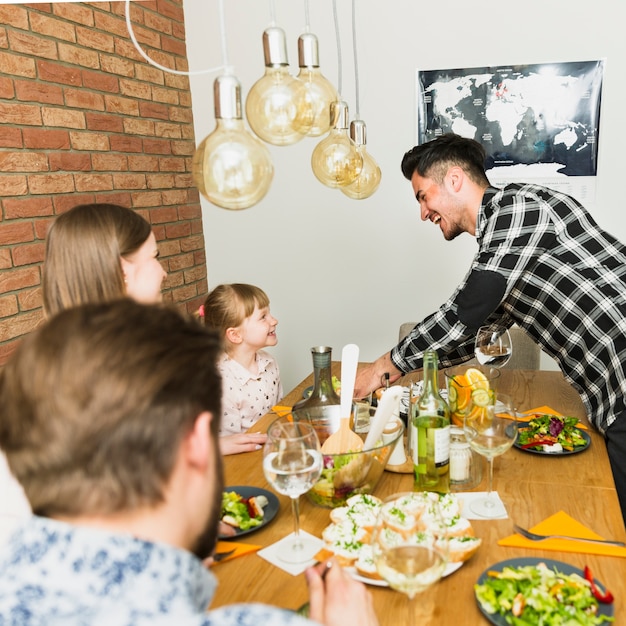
(526, 353)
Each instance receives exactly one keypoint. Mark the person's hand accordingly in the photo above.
(370, 377)
(241, 442)
(336, 599)
(223, 530)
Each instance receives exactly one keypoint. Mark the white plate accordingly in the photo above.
(450, 568)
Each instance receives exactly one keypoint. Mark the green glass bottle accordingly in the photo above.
(430, 419)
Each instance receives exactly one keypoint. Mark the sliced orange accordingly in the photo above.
(457, 419)
(478, 417)
(477, 379)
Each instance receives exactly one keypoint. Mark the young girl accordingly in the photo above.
(250, 377)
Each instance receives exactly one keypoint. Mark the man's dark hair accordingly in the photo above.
(434, 158)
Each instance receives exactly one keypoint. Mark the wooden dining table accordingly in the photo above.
(532, 487)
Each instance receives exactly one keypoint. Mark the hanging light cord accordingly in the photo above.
(307, 27)
(356, 63)
(338, 47)
(272, 13)
(225, 65)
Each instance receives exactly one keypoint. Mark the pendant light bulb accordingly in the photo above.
(320, 91)
(231, 167)
(277, 106)
(368, 180)
(335, 160)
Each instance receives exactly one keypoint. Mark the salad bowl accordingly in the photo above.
(350, 473)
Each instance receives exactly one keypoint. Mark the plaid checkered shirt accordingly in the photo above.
(544, 264)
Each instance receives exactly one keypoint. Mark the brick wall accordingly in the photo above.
(84, 118)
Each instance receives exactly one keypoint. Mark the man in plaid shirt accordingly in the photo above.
(542, 263)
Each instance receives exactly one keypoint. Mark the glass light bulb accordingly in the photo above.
(368, 180)
(320, 91)
(231, 167)
(277, 107)
(335, 160)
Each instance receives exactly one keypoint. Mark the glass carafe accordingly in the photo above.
(322, 408)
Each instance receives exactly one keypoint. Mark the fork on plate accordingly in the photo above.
(536, 537)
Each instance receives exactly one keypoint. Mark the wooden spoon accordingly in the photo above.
(345, 439)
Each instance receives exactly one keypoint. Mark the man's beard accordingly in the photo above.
(205, 543)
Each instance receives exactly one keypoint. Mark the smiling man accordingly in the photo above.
(542, 263)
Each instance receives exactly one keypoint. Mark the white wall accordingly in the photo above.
(338, 270)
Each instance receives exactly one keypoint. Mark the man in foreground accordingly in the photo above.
(542, 263)
(109, 423)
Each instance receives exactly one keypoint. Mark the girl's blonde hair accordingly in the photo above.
(84, 248)
(227, 306)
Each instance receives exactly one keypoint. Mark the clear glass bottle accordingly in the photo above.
(430, 421)
(322, 408)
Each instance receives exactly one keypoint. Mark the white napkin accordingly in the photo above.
(272, 552)
(466, 497)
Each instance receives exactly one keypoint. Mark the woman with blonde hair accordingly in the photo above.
(98, 253)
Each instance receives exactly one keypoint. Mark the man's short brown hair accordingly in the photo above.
(97, 401)
(434, 158)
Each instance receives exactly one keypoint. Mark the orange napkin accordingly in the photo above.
(240, 550)
(561, 523)
(281, 411)
(526, 416)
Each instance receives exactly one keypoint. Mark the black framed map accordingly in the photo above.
(534, 121)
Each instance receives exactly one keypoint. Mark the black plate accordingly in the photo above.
(583, 434)
(270, 510)
(564, 568)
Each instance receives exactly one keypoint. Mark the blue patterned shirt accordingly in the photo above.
(53, 573)
(545, 264)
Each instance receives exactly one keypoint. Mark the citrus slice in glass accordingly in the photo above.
(477, 379)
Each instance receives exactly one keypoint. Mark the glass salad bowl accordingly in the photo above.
(344, 475)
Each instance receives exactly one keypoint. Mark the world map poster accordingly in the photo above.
(537, 122)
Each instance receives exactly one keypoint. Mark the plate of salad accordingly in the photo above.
(247, 509)
(552, 435)
(542, 591)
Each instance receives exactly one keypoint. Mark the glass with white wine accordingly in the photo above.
(292, 463)
(407, 545)
(493, 345)
(491, 434)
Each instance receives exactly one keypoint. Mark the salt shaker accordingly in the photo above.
(465, 467)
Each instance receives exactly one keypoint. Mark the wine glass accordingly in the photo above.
(292, 463)
(491, 433)
(493, 345)
(409, 546)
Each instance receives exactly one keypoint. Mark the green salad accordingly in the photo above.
(536, 594)
(551, 433)
(242, 513)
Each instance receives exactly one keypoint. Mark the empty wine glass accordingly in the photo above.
(409, 546)
(292, 463)
(491, 433)
(493, 345)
